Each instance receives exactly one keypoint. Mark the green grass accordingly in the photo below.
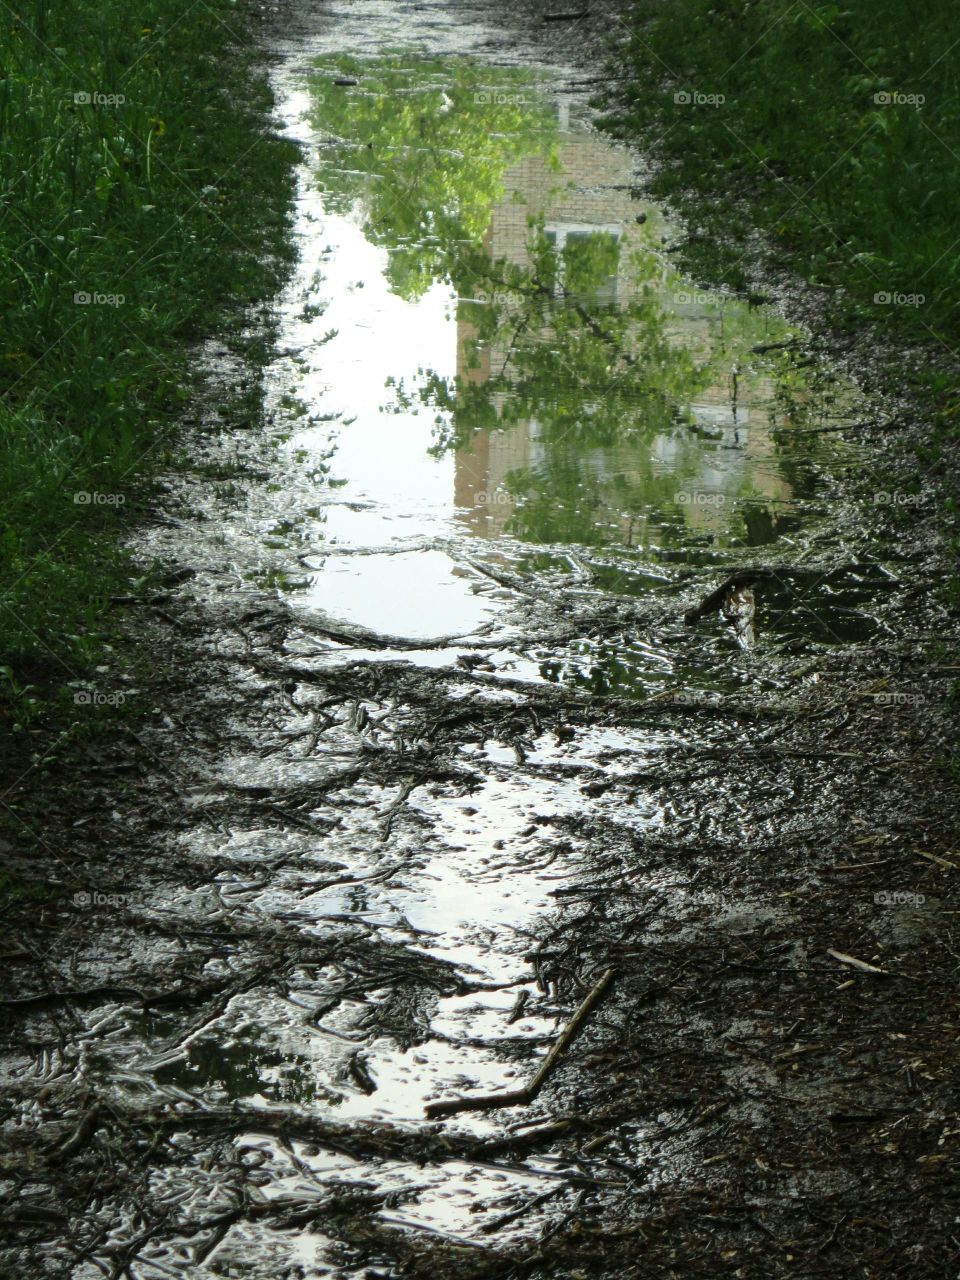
(165, 201)
(823, 138)
(851, 190)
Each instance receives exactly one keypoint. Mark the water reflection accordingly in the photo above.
(598, 397)
(681, 440)
(244, 1068)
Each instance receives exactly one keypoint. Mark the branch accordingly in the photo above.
(520, 1097)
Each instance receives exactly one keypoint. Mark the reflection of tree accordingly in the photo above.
(425, 160)
(583, 369)
(245, 1069)
(423, 145)
(573, 340)
(571, 498)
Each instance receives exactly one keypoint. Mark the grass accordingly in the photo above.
(143, 205)
(822, 138)
(833, 129)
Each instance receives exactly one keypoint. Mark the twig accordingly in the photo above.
(518, 1097)
(488, 1228)
(941, 862)
(853, 962)
(386, 825)
(764, 347)
(88, 1125)
(523, 995)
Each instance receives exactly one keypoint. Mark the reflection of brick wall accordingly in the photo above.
(471, 465)
(592, 188)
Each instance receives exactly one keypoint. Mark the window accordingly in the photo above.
(587, 261)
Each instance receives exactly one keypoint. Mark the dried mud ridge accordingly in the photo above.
(738, 1102)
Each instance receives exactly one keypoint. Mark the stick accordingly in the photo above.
(853, 962)
(488, 1228)
(764, 347)
(942, 862)
(517, 1097)
(89, 1123)
(714, 601)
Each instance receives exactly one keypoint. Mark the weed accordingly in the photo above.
(834, 130)
(144, 205)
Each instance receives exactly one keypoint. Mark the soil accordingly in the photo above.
(331, 873)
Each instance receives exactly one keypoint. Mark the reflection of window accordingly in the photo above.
(588, 259)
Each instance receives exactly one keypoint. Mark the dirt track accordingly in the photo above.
(345, 871)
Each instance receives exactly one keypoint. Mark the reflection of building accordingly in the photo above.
(589, 196)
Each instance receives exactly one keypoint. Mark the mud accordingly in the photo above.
(435, 747)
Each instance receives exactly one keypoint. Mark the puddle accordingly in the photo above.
(513, 447)
(585, 392)
(489, 354)
(415, 594)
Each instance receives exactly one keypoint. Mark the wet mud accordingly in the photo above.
(547, 714)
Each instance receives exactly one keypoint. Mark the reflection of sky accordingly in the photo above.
(378, 336)
(419, 594)
(395, 491)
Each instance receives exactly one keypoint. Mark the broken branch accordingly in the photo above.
(518, 1097)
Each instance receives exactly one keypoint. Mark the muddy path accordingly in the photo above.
(453, 750)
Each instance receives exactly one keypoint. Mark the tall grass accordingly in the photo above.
(143, 202)
(834, 129)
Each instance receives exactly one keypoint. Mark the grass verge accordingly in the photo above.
(143, 204)
(823, 140)
(832, 129)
